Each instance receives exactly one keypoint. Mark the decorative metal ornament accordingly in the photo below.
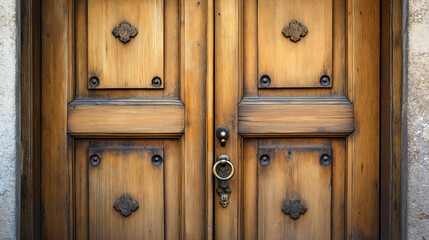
(125, 31)
(125, 205)
(294, 31)
(294, 208)
(223, 170)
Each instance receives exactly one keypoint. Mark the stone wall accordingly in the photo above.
(416, 121)
(8, 119)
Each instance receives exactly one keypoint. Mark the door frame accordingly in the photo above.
(391, 75)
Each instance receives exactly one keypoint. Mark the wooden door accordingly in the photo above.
(132, 93)
(297, 86)
(123, 119)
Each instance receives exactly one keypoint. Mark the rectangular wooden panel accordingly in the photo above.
(292, 64)
(123, 169)
(295, 116)
(294, 192)
(104, 116)
(126, 65)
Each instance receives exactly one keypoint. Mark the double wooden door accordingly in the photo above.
(202, 119)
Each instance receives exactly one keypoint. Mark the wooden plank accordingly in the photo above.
(363, 52)
(227, 91)
(391, 116)
(193, 94)
(30, 119)
(56, 178)
(210, 120)
(97, 116)
(292, 116)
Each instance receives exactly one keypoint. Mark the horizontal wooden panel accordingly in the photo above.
(295, 116)
(123, 116)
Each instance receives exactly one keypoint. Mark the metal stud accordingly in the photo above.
(94, 81)
(325, 80)
(156, 82)
(265, 159)
(325, 159)
(265, 81)
(94, 160)
(156, 160)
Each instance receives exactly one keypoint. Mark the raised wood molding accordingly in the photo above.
(107, 116)
(289, 116)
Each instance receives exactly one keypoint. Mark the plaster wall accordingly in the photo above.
(416, 161)
(8, 119)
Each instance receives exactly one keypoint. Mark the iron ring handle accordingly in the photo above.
(223, 162)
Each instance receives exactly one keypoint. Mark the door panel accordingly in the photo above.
(296, 100)
(306, 55)
(100, 102)
(135, 56)
(294, 170)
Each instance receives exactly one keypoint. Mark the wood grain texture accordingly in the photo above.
(96, 191)
(391, 116)
(30, 119)
(294, 172)
(295, 116)
(135, 63)
(56, 168)
(295, 64)
(363, 51)
(227, 91)
(193, 94)
(134, 175)
(266, 221)
(104, 116)
(171, 80)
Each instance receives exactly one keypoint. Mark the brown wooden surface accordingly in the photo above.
(30, 120)
(391, 115)
(226, 223)
(142, 57)
(97, 191)
(104, 116)
(56, 174)
(171, 71)
(391, 175)
(295, 116)
(364, 144)
(133, 113)
(294, 172)
(193, 94)
(295, 64)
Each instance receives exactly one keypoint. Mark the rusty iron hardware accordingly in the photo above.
(156, 82)
(222, 133)
(94, 160)
(325, 159)
(325, 80)
(294, 31)
(156, 160)
(223, 170)
(294, 208)
(265, 81)
(125, 205)
(94, 81)
(265, 159)
(125, 31)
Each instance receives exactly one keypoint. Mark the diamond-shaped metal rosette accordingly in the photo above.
(125, 205)
(294, 31)
(294, 208)
(125, 31)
